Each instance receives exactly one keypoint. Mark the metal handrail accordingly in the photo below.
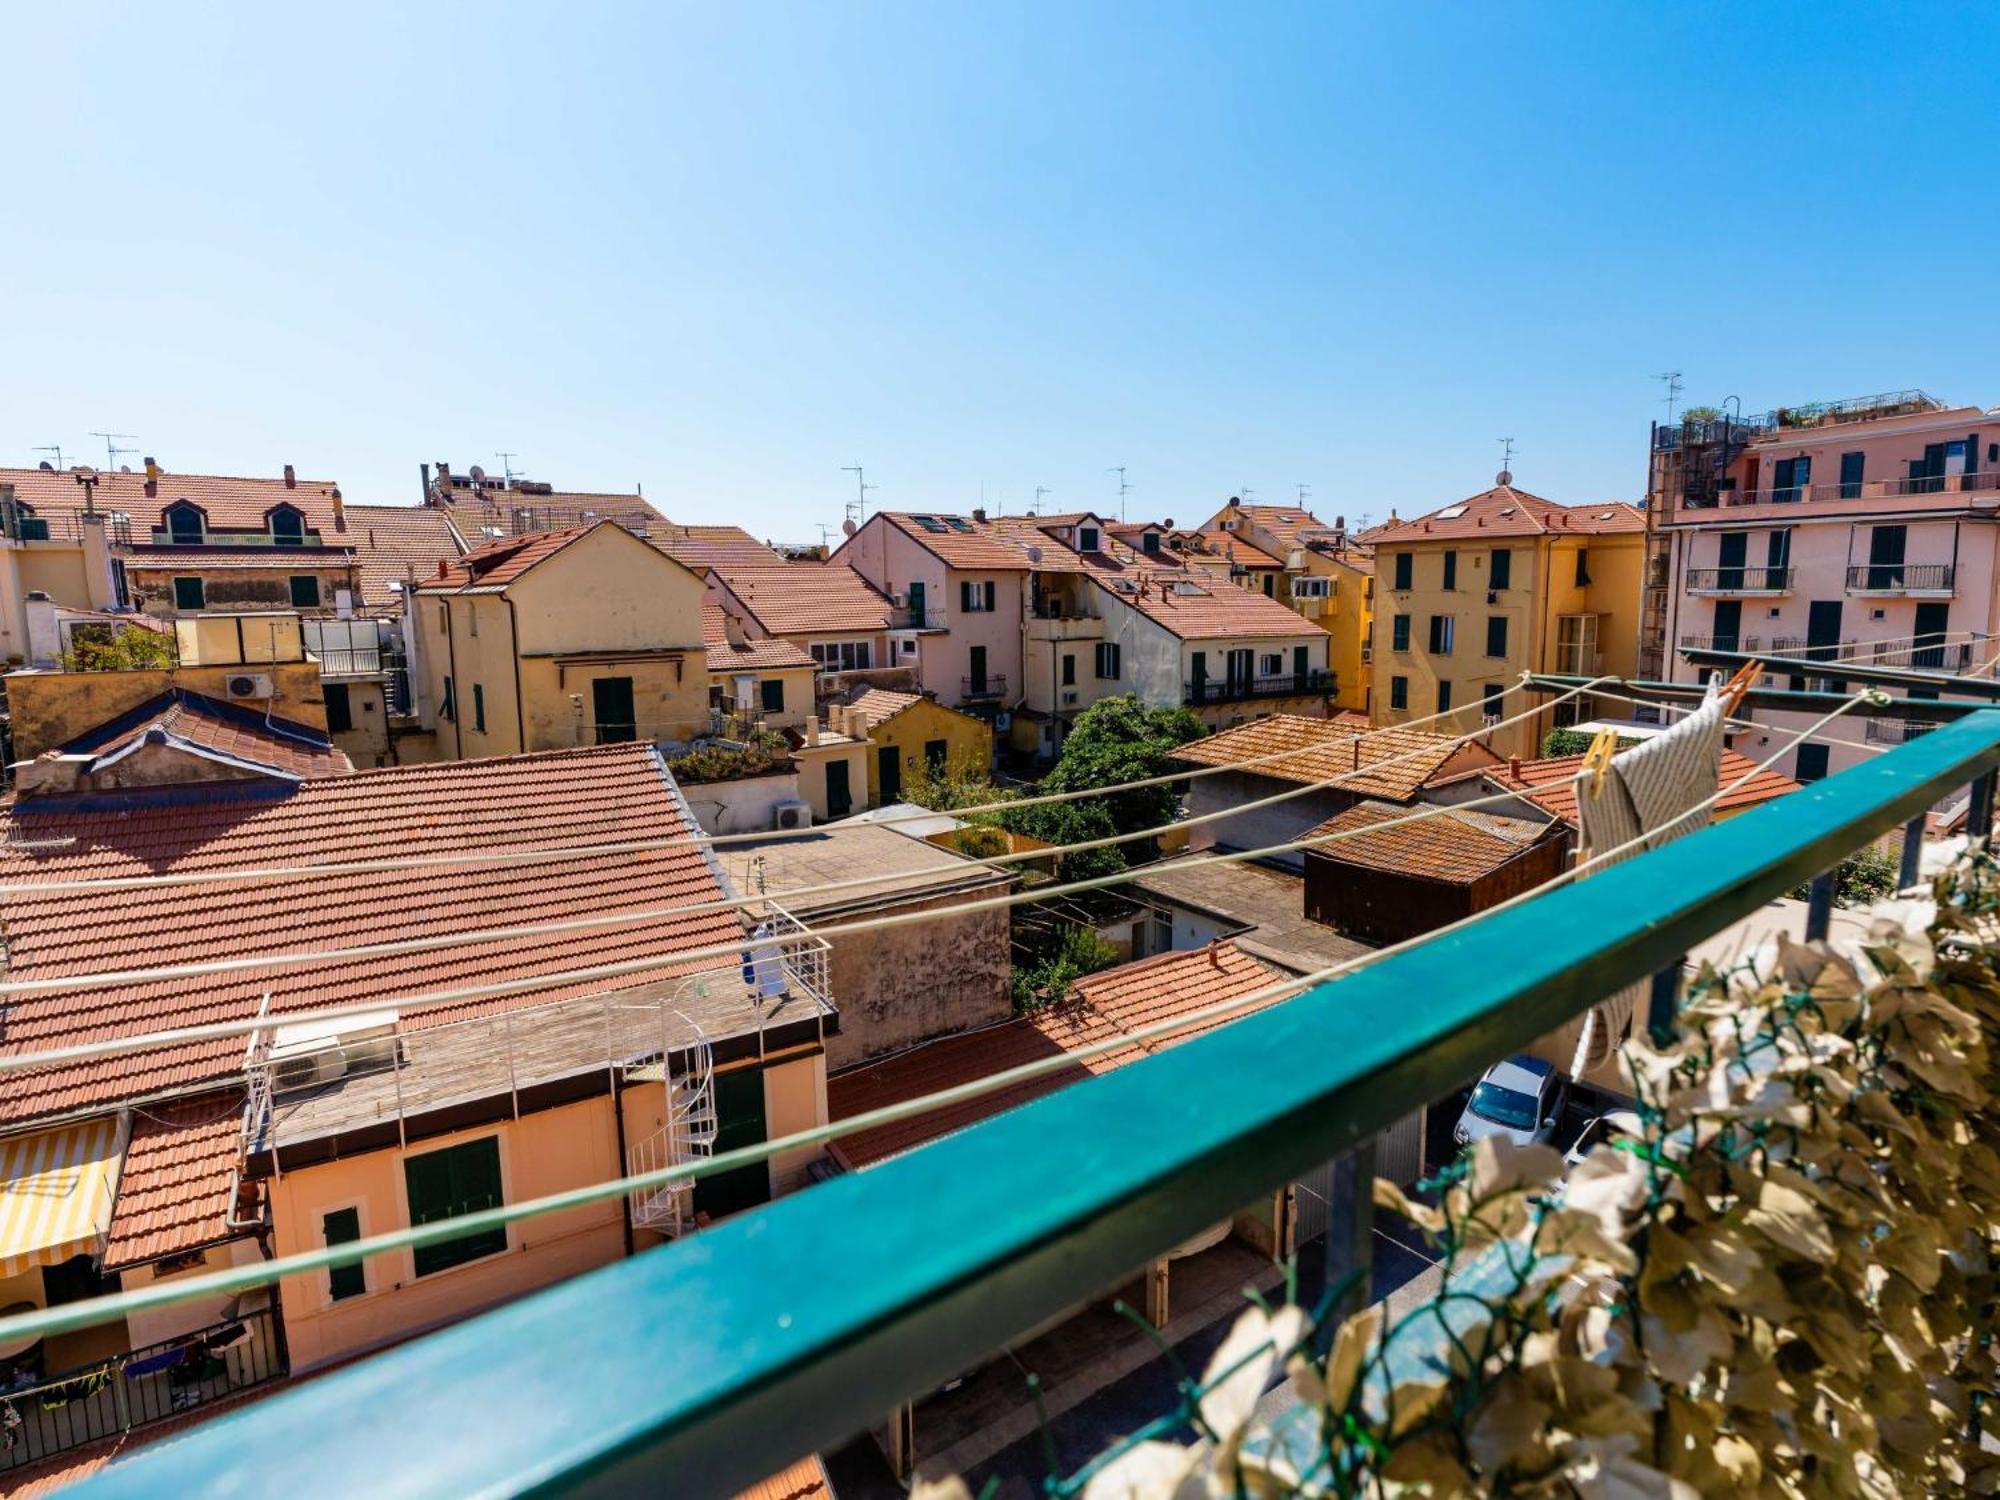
(1740, 579)
(920, 1267)
(992, 685)
(1282, 685)
(1863, 489)
(1900, 578)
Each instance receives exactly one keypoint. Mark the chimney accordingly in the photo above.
(339, 510)
(444, 568)
(812, 730)
(1514, 767)
(979, 514)
(291, 478)
(424, 498)
(152, 469)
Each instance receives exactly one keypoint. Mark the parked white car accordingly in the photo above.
(1521, 1098)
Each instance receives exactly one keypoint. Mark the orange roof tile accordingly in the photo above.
(231, 503)
(1102, 1007)
(808, 598)
(175, 1190)
(804, 1480)
(214, 559)
(712, 546)
(1548, 783)
(494, 565)
(1455, 846)
(973, 548)
(877, 704)
(390, 541)
(207, 724)
(1229, 547)
(1392, 762)
(752, 654)
(546, 800)
(1504, 511)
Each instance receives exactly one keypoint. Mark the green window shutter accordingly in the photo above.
(1399, 692)
(739, 1109)
(189, 593)
(1496, 635)
(479, 707)
(1451, 568)
(343, 1227)
(772, 690)
(1400, 640)
(448, 1184)
(1502, 575)
(449, 708)
(305, 591)
(989, 596)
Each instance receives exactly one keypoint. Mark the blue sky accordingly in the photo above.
(726, 250)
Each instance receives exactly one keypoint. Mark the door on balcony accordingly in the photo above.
(1302, 667)
(1576, 642)
(916, 604)
(1198, 684)
(839, 797)
(1242, 672)
(739, 1108)
(1728, 626)
(889, 772)
(1885, 556)
(1823, 635)
(1929, 652)
(1733, 552)
(611, 703)
(975, 682)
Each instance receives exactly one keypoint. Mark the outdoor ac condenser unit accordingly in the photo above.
(248, 685)
(793, 813)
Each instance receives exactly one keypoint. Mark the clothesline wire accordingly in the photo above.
(439, 941)
(503, 856)
(46, 1322)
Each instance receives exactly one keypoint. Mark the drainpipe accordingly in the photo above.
(514, 647)
(618, 1122)
(451, 664)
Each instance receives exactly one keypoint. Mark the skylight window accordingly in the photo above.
(959, 523)
(929, 523)
(1451, 512)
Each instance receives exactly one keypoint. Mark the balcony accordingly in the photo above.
(1202, 692)
(1902, 578)
(1894, 731)
(1724, 643)
(983, 689)
(1984, 482)
(110, 1397)
(1738, 581)
(915, 617)
(836, 1305)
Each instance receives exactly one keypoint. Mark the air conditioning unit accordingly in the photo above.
(308, 1070)
(792, 813)
(248, 685)
(1001, 722)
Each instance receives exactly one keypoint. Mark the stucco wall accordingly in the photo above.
(902, 985)
(748, 805)
(812, 776)
(52, 708)
(152, 589)
(965, 737)
(1262, 827)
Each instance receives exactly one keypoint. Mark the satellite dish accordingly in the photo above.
(1168, 524)
(477, 473)
(1034, 554)
(847, 527)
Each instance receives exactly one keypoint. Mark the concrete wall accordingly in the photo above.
(907, 733)
(52, 708)
(367, 743)
(902, 985)
(748, 805)
(812, 775)
(1262, 827)
(152, 588)
(797, 684)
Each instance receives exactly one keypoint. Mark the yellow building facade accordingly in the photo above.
(580, 637)
(1473, 594)
(908, 732)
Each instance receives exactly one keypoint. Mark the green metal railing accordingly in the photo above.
(703, 1366)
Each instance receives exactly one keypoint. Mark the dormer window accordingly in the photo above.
(1086, 538)
(184, 524)
(288, 526)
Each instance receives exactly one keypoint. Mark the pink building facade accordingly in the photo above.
(1865, 531)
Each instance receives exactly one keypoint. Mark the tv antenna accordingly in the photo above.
(858, 506)
(507, 465)
(1672, 380)
(112, 450)
(56, 449)
(1119, 470)
(1041, 490)
(1506, 459)
(1244, 492)
(1304, 490)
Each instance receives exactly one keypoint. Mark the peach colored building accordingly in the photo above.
(1866, 530)
(957, 591)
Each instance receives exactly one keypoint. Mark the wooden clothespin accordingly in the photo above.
(1597, 760)
(1734, 689)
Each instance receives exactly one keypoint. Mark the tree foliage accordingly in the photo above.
(1119, 740)
(110, 649)
(1047, 980)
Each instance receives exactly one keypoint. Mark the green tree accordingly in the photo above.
(1047, 980)
(1119, 740)
(1573, 742)
(106, 648)
(962, 781)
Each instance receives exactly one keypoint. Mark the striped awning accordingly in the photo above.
(56, 1192)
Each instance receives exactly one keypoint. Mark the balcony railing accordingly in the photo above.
(814, 1315)
(1739, 580)
(1901, 578)
(1985, 481)
(1894, 731)
(1722, 643)
(112, 1396)
(1202, 691)
(980, 689)
(909, 617)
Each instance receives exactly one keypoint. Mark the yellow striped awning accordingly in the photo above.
(56, 1192)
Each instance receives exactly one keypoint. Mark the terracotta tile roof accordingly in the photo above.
(1338, 750)
(1102, 1007)
(496, 564)
(1455, 846)
(492, 508)
(546, 800)
(1205, 609)
(1537, 778)
(712, 546)
(1229, 547)
(753, 654)
(804, 1480)
(808, 598)
(1292, 526)
(231, 503)
(975, 548)
(208, 724)
(179, 1174)
(391, 540)
(143, 559)
(1504, 511)
(877, 704)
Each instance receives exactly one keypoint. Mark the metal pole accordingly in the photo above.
(1913, 849)
(1350, 1225)
(1980, 821)
(1819, 906)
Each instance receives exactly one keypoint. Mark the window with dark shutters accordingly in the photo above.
(449, 1184)
(343, 1227)
(1496, 635)
(773, 692)
(1403, 569)
(1399, 633)
(1451, 568)
(1502, 575)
